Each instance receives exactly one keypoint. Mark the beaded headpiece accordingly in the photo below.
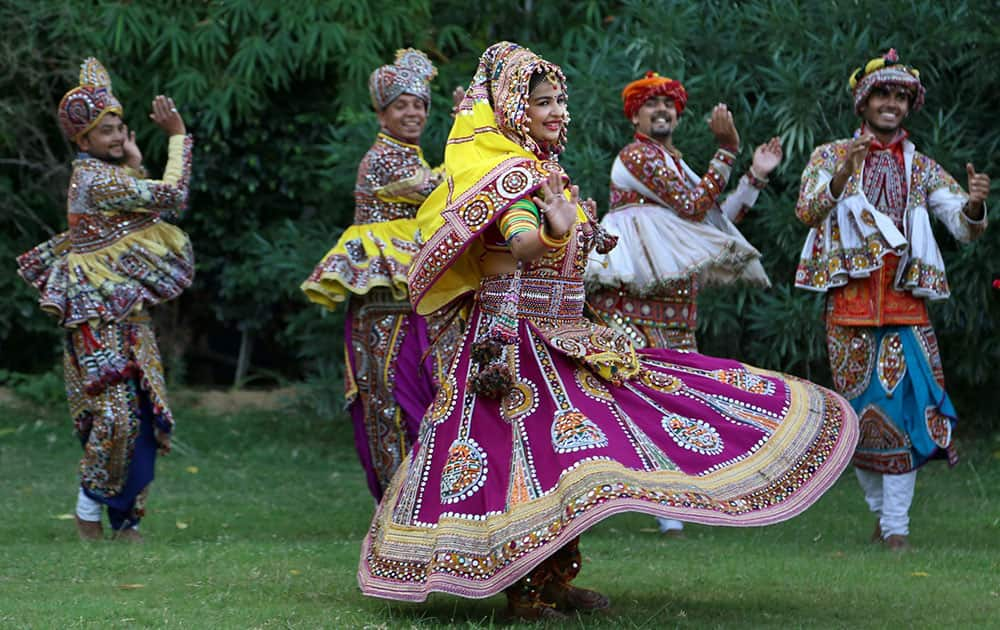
(411, 73)
(504, 77)
(83, 107)
(883, 71)
(638, 92)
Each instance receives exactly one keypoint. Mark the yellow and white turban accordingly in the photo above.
(883, 71)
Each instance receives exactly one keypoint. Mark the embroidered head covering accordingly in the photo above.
(411, 73)
(83, 107)
(504, 77)
(638, 92)
(884, 71)
(491, 162)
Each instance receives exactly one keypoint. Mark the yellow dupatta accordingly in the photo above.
(491, 162)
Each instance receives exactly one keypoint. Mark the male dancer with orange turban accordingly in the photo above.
(676, 232)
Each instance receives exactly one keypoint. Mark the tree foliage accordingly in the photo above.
(276, 95)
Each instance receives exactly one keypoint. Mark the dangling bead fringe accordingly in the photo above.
(103, 366)
(504, 325)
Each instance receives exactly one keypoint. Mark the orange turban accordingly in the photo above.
(638, 92)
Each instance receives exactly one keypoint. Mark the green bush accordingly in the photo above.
(43, 390)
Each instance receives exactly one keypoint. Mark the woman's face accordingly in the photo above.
(546, 113)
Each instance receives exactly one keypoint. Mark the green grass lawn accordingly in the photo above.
(256, 520)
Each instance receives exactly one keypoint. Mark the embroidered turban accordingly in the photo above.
(638, 92)
(885, 71)
(83, 107)
(411, 73)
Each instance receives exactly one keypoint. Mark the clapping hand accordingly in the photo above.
(857, 150)
(457, 96)
(723, 128)
(133, 156)
(766, 158)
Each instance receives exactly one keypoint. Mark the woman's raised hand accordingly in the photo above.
(557, 211)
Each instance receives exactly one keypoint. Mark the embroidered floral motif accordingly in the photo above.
(852, 357)
(108, 423)
(882, 447)
(665, 319)
(938, 426)
(660, 381)
(744, 379)
(647, 162)
(520, 400)
(444, 401)
(464, 471)
(693, 434)
(929, 346)
(356, 251)
(513, 183)
(826, 262)
(572, 431)
(473, 212)
(891, 363)
(393, 178)
(591, 385)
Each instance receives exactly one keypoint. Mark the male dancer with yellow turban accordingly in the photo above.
(98, 278)
(868, 200)
(391, 373)
(676, 232)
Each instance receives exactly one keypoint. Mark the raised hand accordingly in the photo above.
(133, 156)
(723, 128)
(766, 158)
(856, 152)
(979, 185)
(557, 211)
(456, 96)
(166, 116)
(979, 190)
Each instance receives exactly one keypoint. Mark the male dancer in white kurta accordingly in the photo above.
(676, 231)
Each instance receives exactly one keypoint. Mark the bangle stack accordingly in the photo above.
(552, 243)
(757, 182)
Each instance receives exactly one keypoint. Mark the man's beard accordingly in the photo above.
(661, 134)
(110, 159)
